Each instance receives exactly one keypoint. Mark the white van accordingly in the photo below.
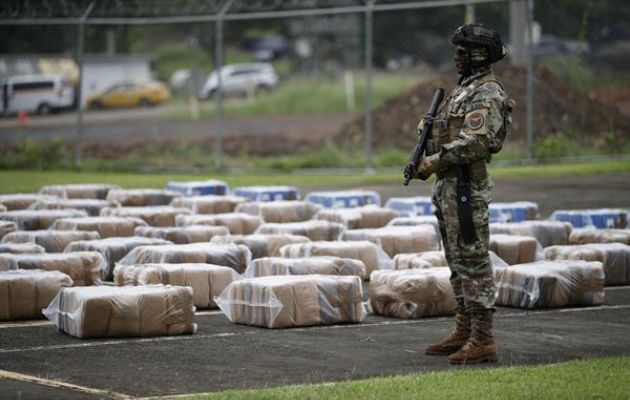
(241, 78)
(40, 94)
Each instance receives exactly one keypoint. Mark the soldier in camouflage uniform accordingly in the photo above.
(469, 127)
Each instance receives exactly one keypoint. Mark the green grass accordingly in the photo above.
(586, 379)
(21, 181)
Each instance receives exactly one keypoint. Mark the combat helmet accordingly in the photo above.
(472, 35)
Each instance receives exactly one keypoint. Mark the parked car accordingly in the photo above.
(241, 78)
(130, 94)
(40, 94)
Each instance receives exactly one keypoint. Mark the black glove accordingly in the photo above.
(409, 172)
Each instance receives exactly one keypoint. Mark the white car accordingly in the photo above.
(242, 79)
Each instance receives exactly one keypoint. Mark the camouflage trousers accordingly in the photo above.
(471, 271)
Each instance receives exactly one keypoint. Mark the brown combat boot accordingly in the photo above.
(480, 347)
(456, 338)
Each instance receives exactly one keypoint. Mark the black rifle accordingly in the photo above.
(418, 152)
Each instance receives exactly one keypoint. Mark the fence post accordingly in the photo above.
(218, 56)
(368, 86)
(79, 95)
(529, 101)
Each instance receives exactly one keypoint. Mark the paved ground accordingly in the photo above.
(222, 355)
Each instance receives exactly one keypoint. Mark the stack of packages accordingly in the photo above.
(237, 223)
(51, 241)
(21, 201)
(359, 217)
(183, 234)
(84, 268)
(281, 211)
(92, 206)
(152, 215)
(588, 235)
(414, 221)
(372, 256)
(25, 293)
(412, 293)
(269, 266)
(106, 311)
(235, 256)
(262, 245)
(113, 249)
(548, 233)
(615, 258)
(79, 190)
(603, 218)
(142, 197)
(106, 226)
(206, 280)
(547, 284)
(21, 248)
(32, 220)
(515, 249)
(432, 259)
(210, 204)
(7, 227)
(289, 301)
(398, 239)
(314, 230)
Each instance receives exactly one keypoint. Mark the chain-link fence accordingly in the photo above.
(303, 84)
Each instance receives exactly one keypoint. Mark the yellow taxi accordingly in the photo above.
(130, 94)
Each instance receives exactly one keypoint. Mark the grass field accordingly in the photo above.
(591, 379)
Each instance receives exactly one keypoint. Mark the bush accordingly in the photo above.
(553, 146)
(38, 155)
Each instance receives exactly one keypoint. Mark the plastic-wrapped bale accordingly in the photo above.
(7, 227)
(359, 217)
(123, 311)
(92, 206)
(113, 249)
(235, 256)
(21, 201)
(433, 259)
(398, 239)
(210, 204)
(52, 241)
(85, 268)
(411, 206)
(206, 280)
(261, 245)
(314, 230)
(548, 233)
(269, 266)
(142, 197)
(267, 193)
(587, 235)
(152, 215)
(281, 211)
(237, 223)
(32, 220)
(604, 218)
(199, 188)
(21, 248)
(344, 198)
(25, 293)
(183, 234)
(79, 190)
(415, 221)
(516, 249)
(372, 255)
(105, 226)
(516, 211)
(549, 284)
(3, 208)
(615, 258)
(415, 293)
(290, 301)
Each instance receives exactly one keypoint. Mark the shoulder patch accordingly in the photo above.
(476, 122)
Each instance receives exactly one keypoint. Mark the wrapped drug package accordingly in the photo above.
(79, 190)
(398, 239)
(21, 248)
(515, 249)
(432, 259)
(412, 293)
(548, 233)
(314, 230)
(280, 211)
(113, 249)
(615, 258)
(414, 221)
(210, 204)
(602, 218)
(142, 197)
(290, 301)
(371, 216)
(199, 188)
(206, 280)
(588, 235)
(235, 256)
(105, 226)
(269, 266)
(183, 234)
(411, 206)
(549, 284)
(262, 245)
(91, 206)
(7, 227)
(84, 268)
(344, 198)
(237, 223)
(51, 241)
(152, 215)
(267, 193)
(21, 201)
(25, 293)
(32, 220)
(372, 256)
(123, 311)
